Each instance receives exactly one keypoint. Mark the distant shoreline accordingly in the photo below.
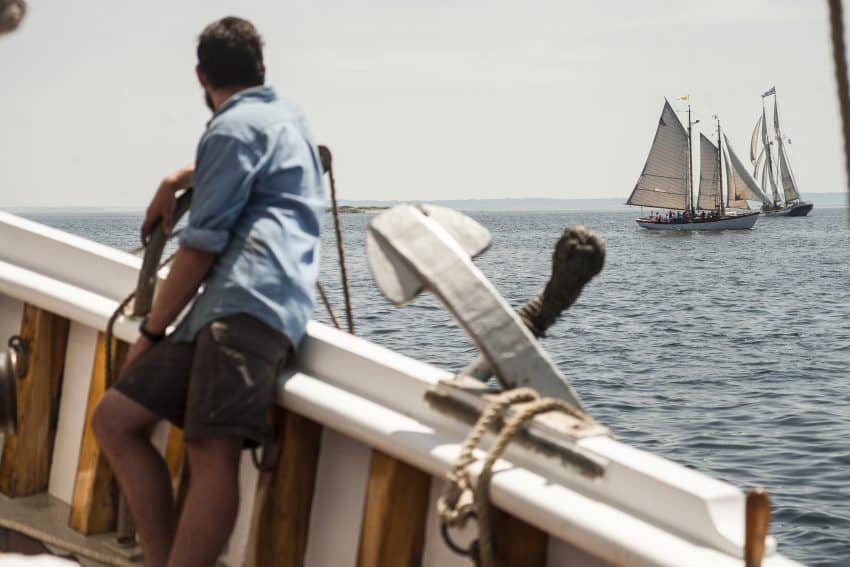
(359, 206)
(349, 209)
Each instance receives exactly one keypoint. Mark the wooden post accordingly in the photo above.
(516, 543)
(757, 519)
(285, 494)
(95, 499)
(393, 529)
(25, 467)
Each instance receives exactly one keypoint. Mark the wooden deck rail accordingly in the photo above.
(25, 466)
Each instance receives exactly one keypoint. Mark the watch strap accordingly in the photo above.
(152, 337)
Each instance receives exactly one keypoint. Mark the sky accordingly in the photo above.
(418, 99)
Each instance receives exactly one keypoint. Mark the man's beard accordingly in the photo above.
(208, 99)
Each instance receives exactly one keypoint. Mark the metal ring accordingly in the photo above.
(471, 551)
(18, 349)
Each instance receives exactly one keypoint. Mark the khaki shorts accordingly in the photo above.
(220, 385)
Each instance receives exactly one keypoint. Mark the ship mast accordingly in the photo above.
(720, 170)
(690, 200)
(768, 157)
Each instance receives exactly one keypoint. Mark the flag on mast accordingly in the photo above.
(771, 91)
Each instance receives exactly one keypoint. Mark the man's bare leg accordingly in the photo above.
(122, 428)
(211, 504)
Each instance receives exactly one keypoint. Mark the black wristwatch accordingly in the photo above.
(154, 338)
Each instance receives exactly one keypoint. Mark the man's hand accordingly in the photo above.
(139, 347)
(162, 204)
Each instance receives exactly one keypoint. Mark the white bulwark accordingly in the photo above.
(633, 509)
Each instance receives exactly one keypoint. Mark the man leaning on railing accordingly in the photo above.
(253, 242)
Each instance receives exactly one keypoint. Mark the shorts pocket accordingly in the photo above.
(244, 334)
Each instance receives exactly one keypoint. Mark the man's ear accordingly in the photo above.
(202, 77)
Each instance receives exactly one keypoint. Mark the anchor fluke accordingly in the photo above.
(392, 274)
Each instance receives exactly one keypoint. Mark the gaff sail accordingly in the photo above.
(740, 184)
(789, 186)
(754, 142)
(786, 178)
(710, 195)
(768, 161)
(759, 161)
(664, 180)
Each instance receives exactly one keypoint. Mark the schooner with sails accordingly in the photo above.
(666, 181)
(786, 203)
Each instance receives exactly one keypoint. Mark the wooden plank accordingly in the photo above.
(95, 500)
(517, 543)
(393, 529)
(285, 494)
(175, 457)
(25, 467)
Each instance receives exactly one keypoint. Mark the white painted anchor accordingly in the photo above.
(414, 248)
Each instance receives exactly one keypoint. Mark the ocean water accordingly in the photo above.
(726, 352)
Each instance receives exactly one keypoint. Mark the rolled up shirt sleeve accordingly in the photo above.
(224, 171)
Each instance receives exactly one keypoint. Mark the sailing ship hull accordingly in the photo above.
(740, 222)
(796, 210)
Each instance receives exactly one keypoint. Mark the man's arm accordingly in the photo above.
(189, 269)
(162, 204)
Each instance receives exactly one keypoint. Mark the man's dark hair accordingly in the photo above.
(230, 53)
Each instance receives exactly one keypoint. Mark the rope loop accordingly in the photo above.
(456, 505)
(473, 551)
(462, 499)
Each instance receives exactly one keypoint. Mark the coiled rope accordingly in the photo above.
(461, 499)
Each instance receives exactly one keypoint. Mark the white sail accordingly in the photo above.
(764, 177)
(664, 180)
(768, 161)
(758, 164)
(740, 184)
(789, 186)
(754, 142)
(786, 178)
(776, 130)
(710, 195)
(730, 203)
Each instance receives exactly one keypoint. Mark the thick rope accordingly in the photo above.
(110, 326)
(462, 500)
(839, 57)
(578, 257)
(455, 506)
(483, 508)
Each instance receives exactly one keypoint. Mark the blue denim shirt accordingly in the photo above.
(258, 204)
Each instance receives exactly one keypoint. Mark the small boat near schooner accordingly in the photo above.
(788, 203)
(666, 181)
